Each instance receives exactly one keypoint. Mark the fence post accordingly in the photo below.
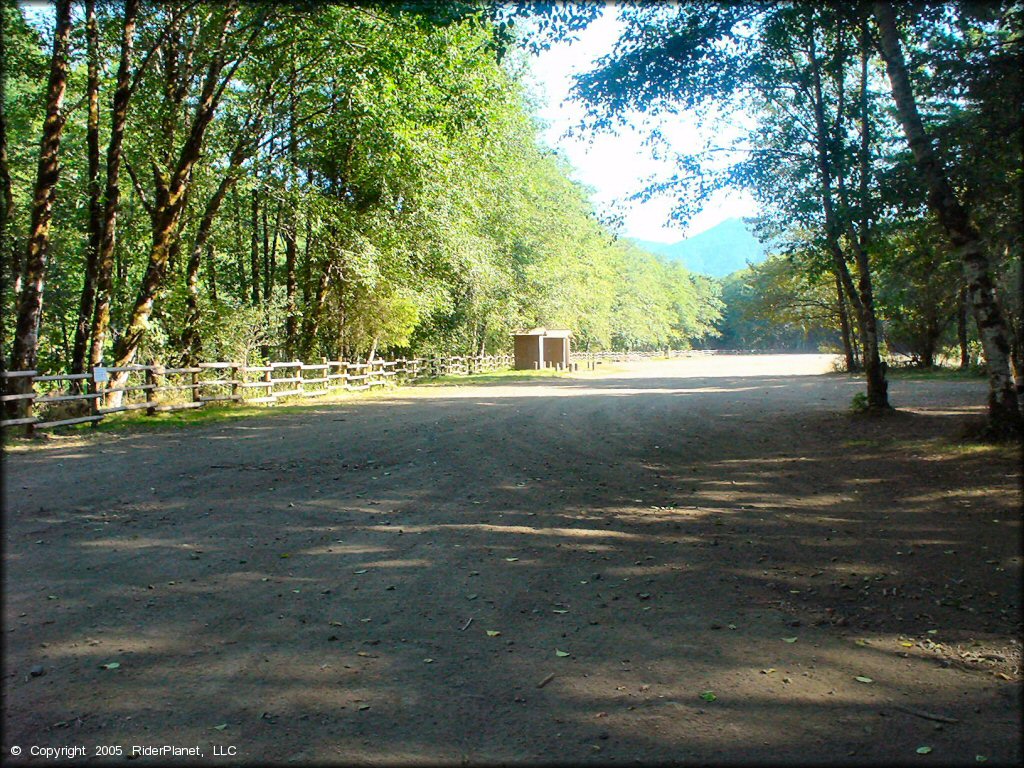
(195, 386)
(298, 375)
(30, 428)
(236, 390)
(153, 370)
(269, 376)
(93, 388)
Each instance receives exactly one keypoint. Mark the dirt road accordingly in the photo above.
(704, 559)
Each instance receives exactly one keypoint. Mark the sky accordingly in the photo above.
(617, 165)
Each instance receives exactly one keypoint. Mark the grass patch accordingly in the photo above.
(951, 448)
(936, 373)
(495, 377)
(136, 422)
(936, 448)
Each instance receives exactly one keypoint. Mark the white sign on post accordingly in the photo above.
(99, 374)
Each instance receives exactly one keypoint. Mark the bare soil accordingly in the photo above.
(709, 559)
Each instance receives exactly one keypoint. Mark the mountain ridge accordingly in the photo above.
(716, 252)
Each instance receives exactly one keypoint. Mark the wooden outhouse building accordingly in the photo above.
(542, 348)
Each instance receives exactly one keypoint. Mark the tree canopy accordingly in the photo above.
(255, 180)
(883, 146)
(262, 181)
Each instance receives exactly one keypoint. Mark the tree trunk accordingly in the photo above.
(863, 303)
(844, 327)
(169, 202)
(291, 232)
(961, 330)
(1004, 414)
(308, 292)
(211, 271)
(254, 248)
(874, 368)
(190, 338)
(87, 303)
(270, 253)
(292, 316)
(311, 317)
(112, 193)
(191, 341)
(12, 264)
(928, 350)
(30, 302)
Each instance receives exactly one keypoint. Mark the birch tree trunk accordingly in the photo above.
(1004, 414)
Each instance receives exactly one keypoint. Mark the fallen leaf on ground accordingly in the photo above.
(862, 679)
(561, 653)
(923, 750)
(360, 571)
(708, 696)
(511, 559)
(789, 639)
(111, 665)
(220, 727)
(493, 633)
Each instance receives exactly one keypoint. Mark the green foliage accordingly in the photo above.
(384, 190)
(778, 304)
(795, 68)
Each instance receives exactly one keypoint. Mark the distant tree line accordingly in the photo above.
(885, 152)
(189, 181)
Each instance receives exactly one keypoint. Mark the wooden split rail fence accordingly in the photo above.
(592, 359)
(76, 398)
(619, 357)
